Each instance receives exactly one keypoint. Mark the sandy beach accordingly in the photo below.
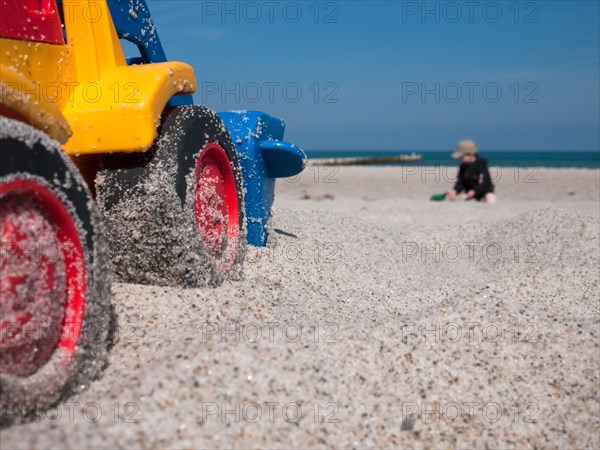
(375, 318)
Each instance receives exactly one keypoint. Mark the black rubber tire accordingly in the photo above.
(147, 202)
(28, 154)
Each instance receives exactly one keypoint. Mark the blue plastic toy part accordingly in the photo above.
(134, 23)
(282, 158)
(263, 156)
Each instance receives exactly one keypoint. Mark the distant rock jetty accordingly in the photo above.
(364, 161)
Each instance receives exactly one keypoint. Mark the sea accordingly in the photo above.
(557, 159)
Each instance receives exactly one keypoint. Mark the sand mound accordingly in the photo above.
(362, 333)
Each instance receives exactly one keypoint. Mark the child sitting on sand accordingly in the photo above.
(473, 174)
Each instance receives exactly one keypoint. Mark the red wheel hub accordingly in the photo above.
(42, 277)
(216, 205)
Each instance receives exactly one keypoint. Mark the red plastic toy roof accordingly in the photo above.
(31, 20)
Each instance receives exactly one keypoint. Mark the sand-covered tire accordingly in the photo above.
(54, 276)
(175, 214)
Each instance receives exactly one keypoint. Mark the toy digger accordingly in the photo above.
(106, 161)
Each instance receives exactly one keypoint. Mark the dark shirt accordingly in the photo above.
(474, 177)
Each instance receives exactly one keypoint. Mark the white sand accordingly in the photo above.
(424, 325)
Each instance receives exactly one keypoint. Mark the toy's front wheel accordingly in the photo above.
(216, 205)
(175, 213)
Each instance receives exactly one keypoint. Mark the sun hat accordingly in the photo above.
(466, 146)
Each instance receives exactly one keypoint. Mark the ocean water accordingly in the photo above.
(566, 159)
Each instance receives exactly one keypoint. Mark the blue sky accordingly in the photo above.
(398, 75)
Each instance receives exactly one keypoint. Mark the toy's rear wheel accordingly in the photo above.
(42, 277)
(54, 278)
(175, 213)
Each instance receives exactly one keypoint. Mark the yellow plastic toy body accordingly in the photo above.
(84, 94)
